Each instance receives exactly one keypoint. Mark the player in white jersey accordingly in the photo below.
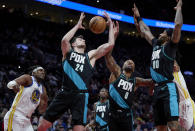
(30, 94)
(186, 104)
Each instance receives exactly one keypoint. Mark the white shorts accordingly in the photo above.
(17, 123)
(186, 114)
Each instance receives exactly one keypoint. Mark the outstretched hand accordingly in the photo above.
(109, 21)
(116, 29)
(135, 11)
(82, 16)
(179, 4)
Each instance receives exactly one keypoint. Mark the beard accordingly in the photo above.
(103, 97)
(128, 69)
(162, 40)
(81, 46)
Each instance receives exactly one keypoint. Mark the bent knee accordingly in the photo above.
(173, 125)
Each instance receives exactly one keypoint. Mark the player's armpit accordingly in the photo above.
(43, 102)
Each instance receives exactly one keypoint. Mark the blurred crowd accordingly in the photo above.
(26, 41)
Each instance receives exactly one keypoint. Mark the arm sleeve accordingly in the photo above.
(170, 49)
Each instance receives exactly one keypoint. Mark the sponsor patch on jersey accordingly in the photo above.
(35, 96)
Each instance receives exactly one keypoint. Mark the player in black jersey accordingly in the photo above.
(166, 109)
(101, 112)
(121, 90)
(78, 69)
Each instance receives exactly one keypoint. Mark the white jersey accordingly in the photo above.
(27, 100)
(186, 104)
(25, 103)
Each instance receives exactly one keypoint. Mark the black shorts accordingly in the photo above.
(104, 128)
(64, 100)
(166, 104)
(121, 121)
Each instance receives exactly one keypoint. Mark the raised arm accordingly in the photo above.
(65, 43)
(113, 67)
(178, 23)
(43, 102)
(24, 80)
(141, 26)
(144, 82)
(105, 48)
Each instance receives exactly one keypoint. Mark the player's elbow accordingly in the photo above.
(64, 41)
(42, 108)
(176, 40)
(111, 45)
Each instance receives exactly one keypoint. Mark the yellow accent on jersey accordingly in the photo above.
(176, 76)
(14, 109)
(186, 94)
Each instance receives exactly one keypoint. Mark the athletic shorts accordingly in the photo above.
(121, 121)
(165, 104)
(17, 122)
(64, 100)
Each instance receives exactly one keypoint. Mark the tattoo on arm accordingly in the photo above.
(143, 82)
(145, 32)
(178, 24)
(112, 65)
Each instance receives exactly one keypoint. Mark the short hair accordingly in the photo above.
(169, 31)
(104, 89)
(30, 69)
(74, 38)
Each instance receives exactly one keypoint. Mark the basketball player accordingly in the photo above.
(102, 111)
(78, 69)
(186, 104)
(121, 91)
(166, 106)
(30, 94)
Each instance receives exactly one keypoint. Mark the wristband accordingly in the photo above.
(11, 84)
(138, 19)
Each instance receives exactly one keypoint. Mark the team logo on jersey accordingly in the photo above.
(156, 54)
(127, 86)
(77, 58)
(35, 96)
(101, 109)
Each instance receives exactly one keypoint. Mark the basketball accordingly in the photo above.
(97, 24)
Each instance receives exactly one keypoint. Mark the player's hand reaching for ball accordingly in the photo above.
(116, 29)
(179, 4)
(109, 21)
(82, 16)
(135, 11)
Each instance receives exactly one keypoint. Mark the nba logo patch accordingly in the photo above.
(35, 96)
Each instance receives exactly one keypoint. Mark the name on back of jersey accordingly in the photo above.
(127, 86)
(77, 58)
